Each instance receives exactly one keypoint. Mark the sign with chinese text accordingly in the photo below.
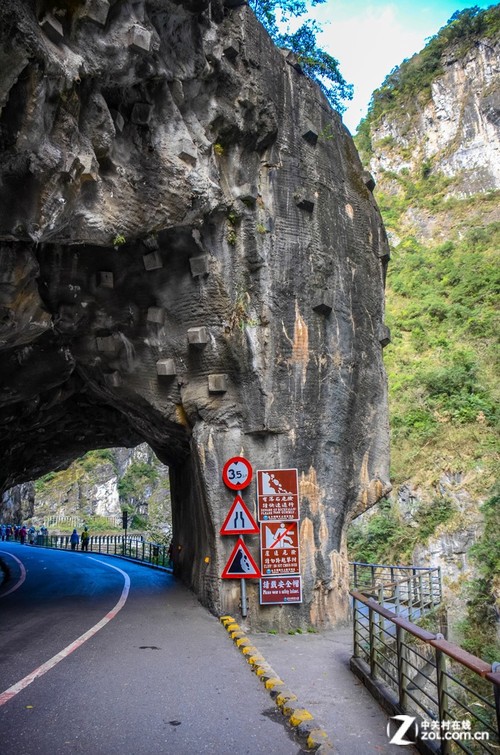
(280, 590)
(279, 548)
(277, 495)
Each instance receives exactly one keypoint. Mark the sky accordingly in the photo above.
(369, 38)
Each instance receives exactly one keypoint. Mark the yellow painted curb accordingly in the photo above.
(273, 682)
(255, 659)
(242, 642)
(236, 635)
(232, 627)
(264, 668)
(285, 697)
(249, 650)
(300, 715)
(316, 738)
(227, 619)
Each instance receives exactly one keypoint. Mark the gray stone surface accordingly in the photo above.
(304, 390)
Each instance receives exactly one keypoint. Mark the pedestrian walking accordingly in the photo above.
(85, 537)
(74, 540)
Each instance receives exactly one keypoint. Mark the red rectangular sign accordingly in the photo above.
(280, 590)
(279, 548)
(277, 495)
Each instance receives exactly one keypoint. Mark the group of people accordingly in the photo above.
(84, 538)
(21, 533)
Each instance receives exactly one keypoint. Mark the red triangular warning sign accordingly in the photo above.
(239, 520)
(240, 563)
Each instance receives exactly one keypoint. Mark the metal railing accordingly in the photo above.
(114, 545)
(409, 591)
(453, 696)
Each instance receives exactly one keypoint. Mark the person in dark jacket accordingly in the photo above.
(74, 540)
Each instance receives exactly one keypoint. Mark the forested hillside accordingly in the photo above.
(432, 141)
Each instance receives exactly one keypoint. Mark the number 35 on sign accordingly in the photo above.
(237, 473)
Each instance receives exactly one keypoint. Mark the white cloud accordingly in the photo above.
(368, 44)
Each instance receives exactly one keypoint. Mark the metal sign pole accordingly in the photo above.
(244, 611)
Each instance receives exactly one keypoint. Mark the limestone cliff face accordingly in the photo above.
(190, 256)
(458, 129)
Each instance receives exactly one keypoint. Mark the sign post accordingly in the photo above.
(236, 475)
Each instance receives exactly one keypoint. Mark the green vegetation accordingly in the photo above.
(408, 86)
(119, 240)
(96, 458)
(443, 361)
(132, 486)
(479, 628)
(387, 538)
(276, 15)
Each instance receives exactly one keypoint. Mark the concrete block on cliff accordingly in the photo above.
(309, 133)
(107, 344)
(198, 336)
(217, 383)
(152, 261)
(97, 10)
(139, 39)
(323, 302)
(305, 203)
(52, 28)
(105, 279)
(384, 335)
(113, 379)
(166, 368)
(141, 113)
(156, 314)
(199, 265)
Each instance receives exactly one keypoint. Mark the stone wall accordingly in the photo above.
(190, 255)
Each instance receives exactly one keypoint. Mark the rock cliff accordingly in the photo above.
(191, 256)
(456, 131)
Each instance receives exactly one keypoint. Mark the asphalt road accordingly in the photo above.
(101, 656)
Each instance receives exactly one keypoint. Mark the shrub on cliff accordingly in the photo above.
(275, 16)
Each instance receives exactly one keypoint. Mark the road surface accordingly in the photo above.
(100, 656)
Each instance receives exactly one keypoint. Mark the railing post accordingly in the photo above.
(402, 666)
(442, 689)
(354, 632)
(431, 587)
(397, 598)
(495, 667)
(421, 590)
(371, 636)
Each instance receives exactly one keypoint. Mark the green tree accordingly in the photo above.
(276, 16)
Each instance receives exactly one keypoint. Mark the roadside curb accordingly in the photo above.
(307, 728)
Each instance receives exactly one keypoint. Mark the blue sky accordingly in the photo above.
(370, 38)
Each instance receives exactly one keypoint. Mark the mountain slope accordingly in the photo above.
(432, 142)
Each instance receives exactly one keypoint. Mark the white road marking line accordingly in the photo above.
(48, 665)
(21, 578)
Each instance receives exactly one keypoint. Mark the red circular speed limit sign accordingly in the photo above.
(237, 473)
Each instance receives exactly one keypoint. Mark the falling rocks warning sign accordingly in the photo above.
(277, 494)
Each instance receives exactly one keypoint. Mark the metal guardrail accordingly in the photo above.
(114, 545)
(453, 696)
(409, 591)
